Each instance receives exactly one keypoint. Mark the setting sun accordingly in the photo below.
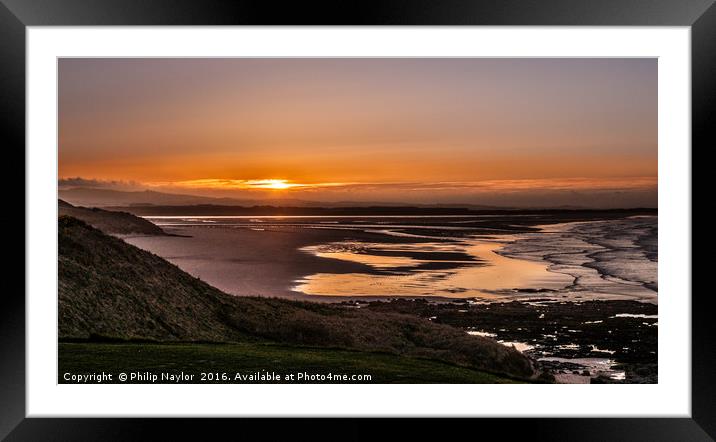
(232, 184)
(273, 184)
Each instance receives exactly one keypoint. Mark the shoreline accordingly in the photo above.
(274, 259)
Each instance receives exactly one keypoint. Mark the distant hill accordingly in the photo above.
(99, 197)
(121, 223)
(110, 289)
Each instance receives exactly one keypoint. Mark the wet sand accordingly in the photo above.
(246, 262)
(329, 259)
(483, 274)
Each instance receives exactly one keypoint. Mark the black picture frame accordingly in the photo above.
(16, 15)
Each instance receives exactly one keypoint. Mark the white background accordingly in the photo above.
(670, 397)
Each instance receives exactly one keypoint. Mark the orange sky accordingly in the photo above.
(364, 128)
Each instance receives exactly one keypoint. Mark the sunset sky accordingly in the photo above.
(482, 131)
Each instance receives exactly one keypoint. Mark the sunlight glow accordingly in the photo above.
(230, 184)
(272, 184)
(556, 184)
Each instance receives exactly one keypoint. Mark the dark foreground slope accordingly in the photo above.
(119, 223)
(110, 289)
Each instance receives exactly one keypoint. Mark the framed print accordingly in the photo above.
(380, 211)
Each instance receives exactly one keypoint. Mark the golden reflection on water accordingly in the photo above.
(487, 276)
(376, 261)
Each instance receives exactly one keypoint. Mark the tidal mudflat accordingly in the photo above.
(449, 257)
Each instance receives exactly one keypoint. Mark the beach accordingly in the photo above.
(328, 258)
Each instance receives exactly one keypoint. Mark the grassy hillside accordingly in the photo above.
(112, 289)
(121, 223)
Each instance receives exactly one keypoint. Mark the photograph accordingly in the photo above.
(357, 220)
